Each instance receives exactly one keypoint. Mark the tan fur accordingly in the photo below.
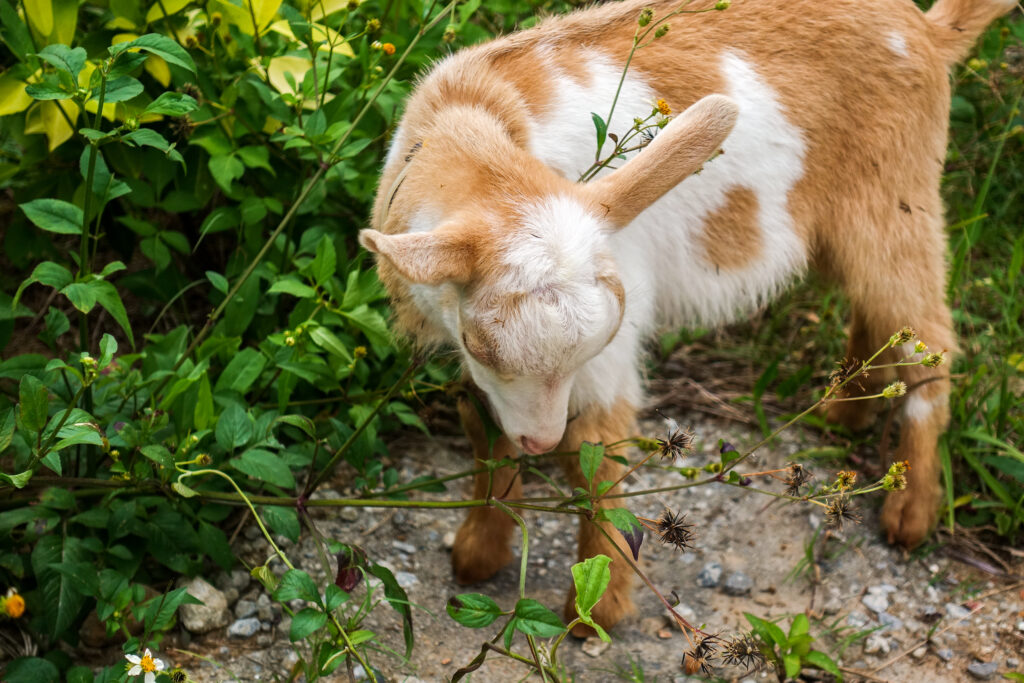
(867, 205)
(731, 238)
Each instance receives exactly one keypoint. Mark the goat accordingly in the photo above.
(832, 119)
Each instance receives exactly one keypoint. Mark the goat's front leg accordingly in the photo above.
(606, 425)
(482, 542)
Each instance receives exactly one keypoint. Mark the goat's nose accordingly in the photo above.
(536, 446)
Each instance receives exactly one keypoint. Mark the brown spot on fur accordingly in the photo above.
(732, 235)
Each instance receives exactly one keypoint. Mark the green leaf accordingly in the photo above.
(326, 340)
(621, 518)
(33, 403)
(256, 156)
(296, 584)
(334, 597)
(107, 297)
(46, 273)
(32, 670)
(534, 619)
(19, 480)
(147, 137)
(792, 664)
(601, 128)
(171, 104)
(591, 456)
(800, 626)
(7, 424)
(371, 323)
(590, 578)
(158, 45)
(71, 61)
(81, 296)
(824, 662)
(244, 369)
(300, 421)
(234, 428)
(265, 466)
(47, 91)
(399, 601)
(325, 261)
(54, 215)
(282, 520)
(108, 347)
(306, 622)
(473, 610)
(291, 285)
(79, 674)
(770, 633)
(59, 600)
(183, 490)
(219, 282)
(159, 455)
(225, 170)
(202, 415)
(120, 89)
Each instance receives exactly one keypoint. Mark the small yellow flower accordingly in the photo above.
(13, 605)
(388, 48)
(372, 25)
(359, 352)
(894, 390)
(663, 107)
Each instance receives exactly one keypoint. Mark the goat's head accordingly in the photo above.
(513, 260)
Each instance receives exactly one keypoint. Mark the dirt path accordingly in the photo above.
(863, 584)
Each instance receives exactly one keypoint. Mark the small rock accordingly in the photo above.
(403, 547)
(265, 613)
(919, 652)
(738, 583)
(833, 605)
(875, 601)
(406, 579)
(448, 540)
(349, 514)
(244, 628)
(686, 612)
(245, 609)
(856, 620)
(358, 672)
(1020, 626)
(889, 622)
(955, 611)
(264, 640)
(877, 644)
(210, 615)
(945, 654)
(651, 625)
(1012, 663)
(231, 595)
(710, 575)
(983, 670)
(594, 646)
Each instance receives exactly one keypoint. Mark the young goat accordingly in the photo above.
(832, 118)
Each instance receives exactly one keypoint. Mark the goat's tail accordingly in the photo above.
(956, 24)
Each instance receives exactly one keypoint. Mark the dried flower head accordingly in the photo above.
(896, 478)
(798, 476)
(722, 5)
(662, 30)
(933, 360)
(846, 480)
(699, 658)
(646, 14)
(840, 510)
(182, 127)
(449, 34)
(216, 18)
(673, 530)
(895, 390)
(373, 25)
(902, 337)
(662, 106)
(743, 651)
(844, 369)
(679, 441)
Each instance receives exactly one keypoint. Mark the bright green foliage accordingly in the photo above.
(791, 653)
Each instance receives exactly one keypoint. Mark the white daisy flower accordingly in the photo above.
(146, 664)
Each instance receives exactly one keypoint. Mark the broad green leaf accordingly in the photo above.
(590, 579)
(33, 403)
(265, 466)
(256, 156)
(296, 584)
(300, 421)
(183, 490)
(8, 421)
(120, 89)
(32, 670)
(591, 456)
(306, 622)
(225, 170)
(621, 518)
(243, 369)
(824, 662)
(81, 296)
(171, 104)
(47, 91)
(150, 138)
(40, 15)
(107, 297)
(18, 481)
(234, 428)
(535, 619)
(219, 282)
(202, 415)
(334, 597)
(54, 215)
(160, 455)
(371, 323)
(47, 273)
(108, 347)
(291, 285)
(157, 9)
(215, 545)
(325, 262)
(601, 128)
(326, 340)
(399, 601)
(161, 46)
(792, 664)
(473, 610)
(800, 626)
(59, 599)
(282, 520)
(70, 61)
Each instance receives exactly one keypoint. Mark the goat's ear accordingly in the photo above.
(425, 258)
(676, 152)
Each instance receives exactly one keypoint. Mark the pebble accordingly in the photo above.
(856, 620)
(244, 628)
(1020, 626)
(210, 615)
(919, 652)
(358, 672)
(1012, 663)
(448, 540)
(403, 547)
(889, 622)
(955, 611)
(945, 654)
(709, 575)
(594, 646)
(833, 605)
(245, 609)
(877, 644)
(875, 600)
(983, 670)
(406, 579)
(686, 612)
(349, 514)
(738, 583)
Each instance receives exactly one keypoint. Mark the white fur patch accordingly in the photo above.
(918, 408)
(897, 43)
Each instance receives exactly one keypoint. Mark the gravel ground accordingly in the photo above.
(748, 549)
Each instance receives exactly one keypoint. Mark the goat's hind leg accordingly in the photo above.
(481, 546)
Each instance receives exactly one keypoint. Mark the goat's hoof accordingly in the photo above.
(906, 519)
